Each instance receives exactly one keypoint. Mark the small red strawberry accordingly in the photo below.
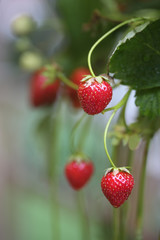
(43, 89)
(94, 94)
(117, 185)
(76, 77)
(78, 172)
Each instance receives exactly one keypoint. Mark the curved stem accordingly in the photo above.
(115, 108)
(64, 79)
(105, 137)
(106, 35)
(139, 217)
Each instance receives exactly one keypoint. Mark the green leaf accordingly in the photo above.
(148, 101)
(134, 141)
(136, 62)
(75, 14)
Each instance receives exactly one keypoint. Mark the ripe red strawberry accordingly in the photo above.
(76, 77)
(94, 95)
(117, 186)
(78, 172)
(43, 93)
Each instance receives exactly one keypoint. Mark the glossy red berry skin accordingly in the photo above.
(117, 187)
(76, 77)
(94, 96)
(78, 173)
(42, 94)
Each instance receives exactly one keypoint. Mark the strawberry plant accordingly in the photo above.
(126, 55)
(118, 67)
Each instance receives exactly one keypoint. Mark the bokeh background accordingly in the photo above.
(66, 29)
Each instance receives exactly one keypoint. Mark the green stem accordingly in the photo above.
(130, 157)
(115, 108)
(122, 231)
(123, 217)
(69, 83)
(120, 104)
(72, 138)
(52, 176)
(120, 217)
(116, 219)
(116, 85)
(123, 115)
(53, 135)
(55, 210)
(116, 222)
(139, 215)
(84, 221)
(105, 137)
(115, 153)
(84, 133)
(106, 35)
(124, 208)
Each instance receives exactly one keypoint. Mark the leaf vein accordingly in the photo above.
(155, 50)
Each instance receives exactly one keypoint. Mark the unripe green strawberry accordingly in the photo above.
(23, 25)
(94, 94)
(117, 186)
(30, 61)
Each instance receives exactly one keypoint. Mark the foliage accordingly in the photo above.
(136, 62)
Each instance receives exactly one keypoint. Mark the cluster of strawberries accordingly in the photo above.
(93, 95)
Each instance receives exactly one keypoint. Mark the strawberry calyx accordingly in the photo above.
(50, 72)
(86, 77)
(90, 79)
(79, 157)
(117, 170)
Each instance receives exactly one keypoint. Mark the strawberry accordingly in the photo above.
(43, 89)
(117, 185)
(76, 77)
(78, 172)
(94, 94)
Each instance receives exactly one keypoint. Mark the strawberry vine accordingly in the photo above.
(146, 109)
